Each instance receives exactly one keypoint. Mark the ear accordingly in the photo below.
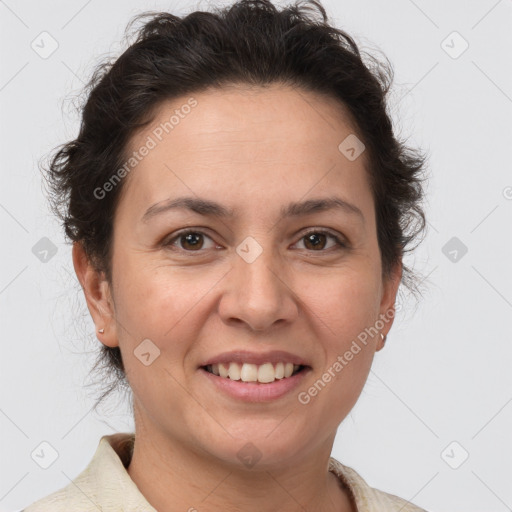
(98, 296)
(387, 303)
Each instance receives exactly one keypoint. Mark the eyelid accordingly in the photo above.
(168, 242)
(339, 240)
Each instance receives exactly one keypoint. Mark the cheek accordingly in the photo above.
(344, 310)
(161, 302)
(344, 304)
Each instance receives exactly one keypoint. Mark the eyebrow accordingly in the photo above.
(211, 208)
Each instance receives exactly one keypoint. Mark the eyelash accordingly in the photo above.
(339, 244)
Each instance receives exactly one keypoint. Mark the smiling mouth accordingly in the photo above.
(263, 374)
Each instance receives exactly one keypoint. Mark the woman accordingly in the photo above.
(239, 208)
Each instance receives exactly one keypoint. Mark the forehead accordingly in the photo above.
(241, 138)
(278, 115)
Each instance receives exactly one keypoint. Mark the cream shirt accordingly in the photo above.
(106, 485)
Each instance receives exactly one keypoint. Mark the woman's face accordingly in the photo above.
(269, 277)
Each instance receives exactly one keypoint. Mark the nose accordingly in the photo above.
(258, 293)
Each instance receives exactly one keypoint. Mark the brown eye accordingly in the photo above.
(192, 240)
(189, 241)
(316, 241)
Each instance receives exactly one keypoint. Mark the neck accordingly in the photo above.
(175, 477)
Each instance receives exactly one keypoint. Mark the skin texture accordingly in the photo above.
(254, 150)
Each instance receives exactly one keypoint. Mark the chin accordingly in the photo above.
(265, 444)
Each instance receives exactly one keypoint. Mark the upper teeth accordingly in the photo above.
(248, 372)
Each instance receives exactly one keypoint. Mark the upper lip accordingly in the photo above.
(245, 356)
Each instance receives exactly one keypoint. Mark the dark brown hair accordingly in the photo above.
(253, 43)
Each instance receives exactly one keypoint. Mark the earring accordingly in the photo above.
(383, 336)
(101, 331)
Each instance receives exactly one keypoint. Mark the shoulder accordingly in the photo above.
(72, 497)
(367, 498)
(103, 485)
(55, 502)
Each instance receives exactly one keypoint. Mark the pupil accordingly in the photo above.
(190, 239)
(311, 238)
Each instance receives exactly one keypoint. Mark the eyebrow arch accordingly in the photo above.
(210, 208)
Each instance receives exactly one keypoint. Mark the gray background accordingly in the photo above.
(444, 375)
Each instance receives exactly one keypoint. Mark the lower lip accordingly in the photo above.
(255, 391)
